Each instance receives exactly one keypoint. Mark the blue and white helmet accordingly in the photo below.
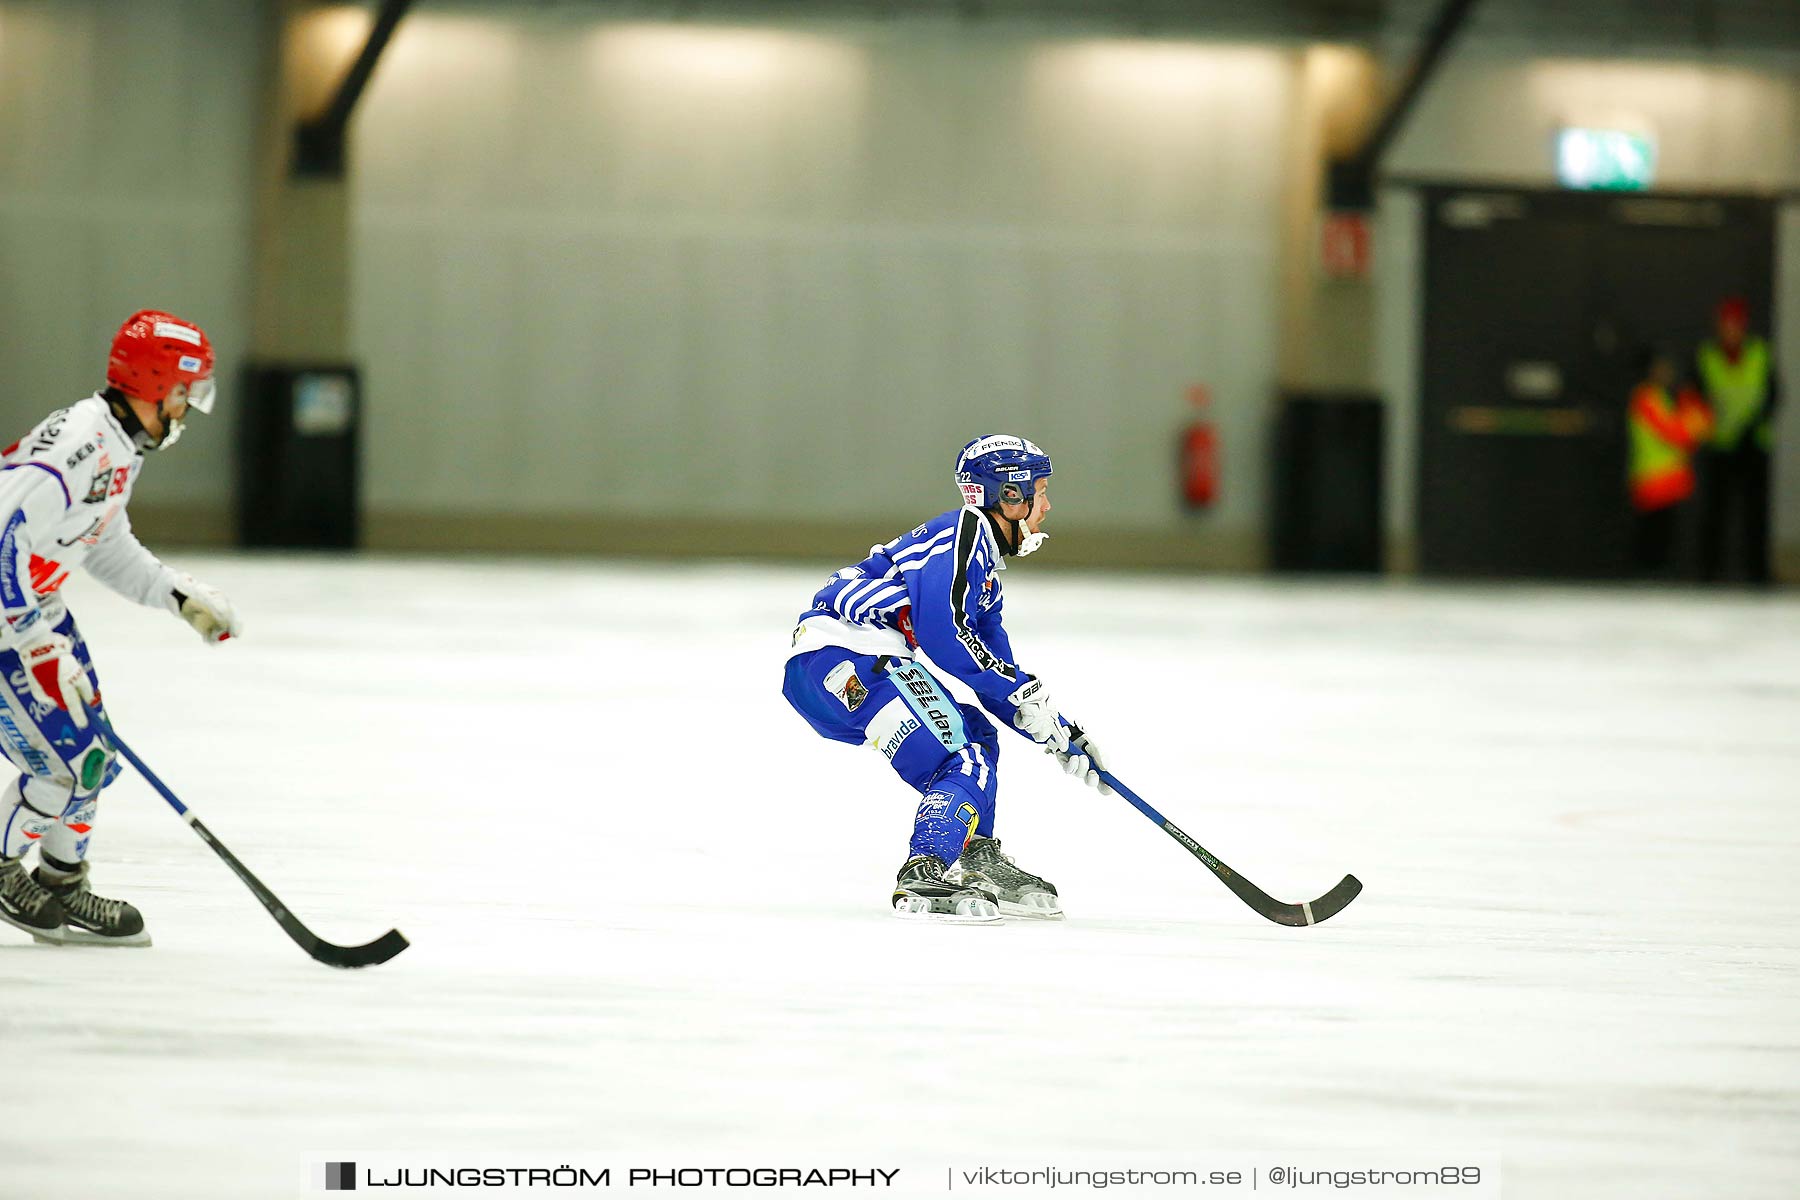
(1000, 467)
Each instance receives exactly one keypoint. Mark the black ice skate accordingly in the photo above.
(90, 920)
(1020, 893)
(922, 893)
(28, 905)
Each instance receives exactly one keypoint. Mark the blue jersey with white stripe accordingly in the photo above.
(945, 573)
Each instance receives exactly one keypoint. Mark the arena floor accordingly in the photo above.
(649, 918)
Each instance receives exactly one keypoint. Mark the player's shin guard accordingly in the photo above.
(952, 811)
(67, 838)
(22, 824)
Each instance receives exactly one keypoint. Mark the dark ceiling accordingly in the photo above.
(1549, 26)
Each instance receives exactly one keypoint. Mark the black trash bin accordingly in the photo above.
(298, 438)
(1326, 476)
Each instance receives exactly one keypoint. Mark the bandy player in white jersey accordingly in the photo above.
(63, 491)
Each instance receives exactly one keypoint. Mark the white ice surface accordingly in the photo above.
(648, 906)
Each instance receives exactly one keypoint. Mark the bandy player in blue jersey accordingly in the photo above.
(856, 676)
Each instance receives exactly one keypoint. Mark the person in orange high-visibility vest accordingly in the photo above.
(1665, 424)
(1738, 377)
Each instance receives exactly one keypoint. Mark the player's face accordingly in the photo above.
(1031, 513)
(174, 408)
(1040, 506)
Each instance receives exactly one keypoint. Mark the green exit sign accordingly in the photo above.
(1605, 160)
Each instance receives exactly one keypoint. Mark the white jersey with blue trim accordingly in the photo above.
(63, 491)
(939, 584)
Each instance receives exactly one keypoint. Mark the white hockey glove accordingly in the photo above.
(1082, 758)
(1037, 715)
(55, 675)
(206, 609)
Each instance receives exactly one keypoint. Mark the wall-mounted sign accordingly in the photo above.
(1605, 159)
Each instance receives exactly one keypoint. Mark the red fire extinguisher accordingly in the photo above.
(1199, 470)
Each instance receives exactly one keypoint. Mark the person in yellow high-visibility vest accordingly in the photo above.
(1664, 424)
(1738, 377)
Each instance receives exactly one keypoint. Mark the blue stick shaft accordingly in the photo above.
(131, 757)
(1264, 904)
(1137, 802)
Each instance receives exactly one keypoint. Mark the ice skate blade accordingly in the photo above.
(1033, 906)
(81, 937)
(967, 912)
(49, 937)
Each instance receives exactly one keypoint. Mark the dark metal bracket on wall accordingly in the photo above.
(319, 142)
(1350, 183)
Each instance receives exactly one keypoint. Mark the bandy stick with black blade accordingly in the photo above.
(1305, 913)
(332, 955)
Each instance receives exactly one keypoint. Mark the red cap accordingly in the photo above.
(153, 351)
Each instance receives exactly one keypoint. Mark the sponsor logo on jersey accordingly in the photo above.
(843, 682)
(35, 759)
(10, 592)
(101, 486)
(984, 658)
(930, 704)
(935, 804)
(46, 438)
(36, 826)
(86, 449)
(907, 727)
(89, 535)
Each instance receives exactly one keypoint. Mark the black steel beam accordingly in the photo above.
(319, 142)
(1351, 181)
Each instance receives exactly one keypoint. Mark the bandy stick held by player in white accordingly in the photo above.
(331, 954)
(855, 675)
(64, 488)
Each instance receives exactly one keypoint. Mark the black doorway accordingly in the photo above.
(1537, 305)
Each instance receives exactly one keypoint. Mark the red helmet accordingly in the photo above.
(154, 351)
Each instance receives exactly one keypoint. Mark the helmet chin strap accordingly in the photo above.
(1020, 543)
(128, 420)
(134, 428)
(171, 428)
